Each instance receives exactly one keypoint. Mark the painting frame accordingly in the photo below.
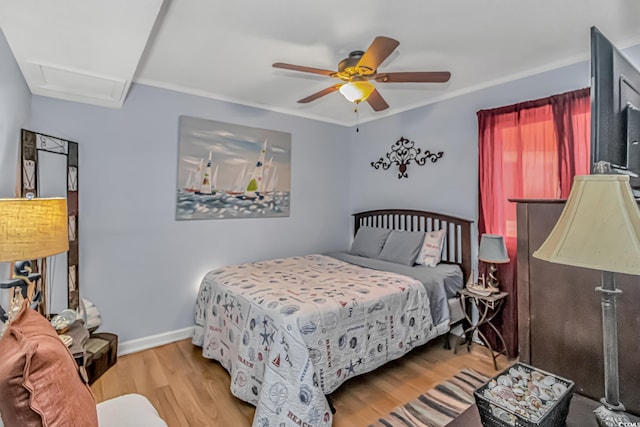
(230, 171)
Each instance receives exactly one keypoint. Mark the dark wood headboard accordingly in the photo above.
(457, 249)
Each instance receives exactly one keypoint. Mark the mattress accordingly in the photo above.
(442, 282)
(291, 330)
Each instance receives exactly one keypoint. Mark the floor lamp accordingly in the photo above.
(599, 228)
(30, 228)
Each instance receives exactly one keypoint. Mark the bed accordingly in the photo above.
(290, 331)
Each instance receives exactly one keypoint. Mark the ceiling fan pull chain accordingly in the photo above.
(355, 110)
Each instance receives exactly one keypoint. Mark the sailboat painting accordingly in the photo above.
(232, 171)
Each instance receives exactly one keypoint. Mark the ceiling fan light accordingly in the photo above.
(357, 91)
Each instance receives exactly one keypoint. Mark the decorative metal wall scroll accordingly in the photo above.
(402, 153)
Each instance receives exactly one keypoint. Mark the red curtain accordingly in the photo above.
(530, 150)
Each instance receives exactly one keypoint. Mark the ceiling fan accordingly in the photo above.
(360, 67)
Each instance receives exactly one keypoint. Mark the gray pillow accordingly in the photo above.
(369, 241)
(402, 247)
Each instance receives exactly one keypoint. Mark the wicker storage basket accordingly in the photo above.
(497, 413)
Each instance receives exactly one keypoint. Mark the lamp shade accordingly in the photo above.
(32, 228)
(357, 91)
(493, 249)
(599, 227)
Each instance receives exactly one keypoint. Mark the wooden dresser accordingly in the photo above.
(559, 313)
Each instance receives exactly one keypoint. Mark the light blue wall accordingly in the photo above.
(137, 263)
(15, 103)
(451, 184)
(142, 267)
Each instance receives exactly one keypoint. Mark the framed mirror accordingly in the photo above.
(49, 168)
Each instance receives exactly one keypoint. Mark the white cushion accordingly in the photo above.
(431, 251)
(129, 410)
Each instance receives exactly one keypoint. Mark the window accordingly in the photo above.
(530, 150)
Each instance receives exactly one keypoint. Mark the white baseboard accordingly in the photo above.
(139, 344)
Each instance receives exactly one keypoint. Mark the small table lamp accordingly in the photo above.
(599, 228)
(31, 228)
(493, 251)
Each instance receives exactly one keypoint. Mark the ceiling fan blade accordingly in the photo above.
(414, 77)
(376, 101)
(317, 95)
(303, 69)
(377, 52)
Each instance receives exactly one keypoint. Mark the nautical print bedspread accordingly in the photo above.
(291, 330)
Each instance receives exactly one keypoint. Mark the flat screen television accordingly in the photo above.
(615, 109)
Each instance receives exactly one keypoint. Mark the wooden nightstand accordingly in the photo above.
(488, 307)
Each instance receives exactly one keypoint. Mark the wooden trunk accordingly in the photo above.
(559, 313)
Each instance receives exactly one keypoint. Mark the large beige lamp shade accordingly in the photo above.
(32, 228)
(599, 228)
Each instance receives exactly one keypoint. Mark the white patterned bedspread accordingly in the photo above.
(291, 330)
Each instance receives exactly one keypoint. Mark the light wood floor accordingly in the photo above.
(189, 390)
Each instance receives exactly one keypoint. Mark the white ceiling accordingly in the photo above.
(91, 50)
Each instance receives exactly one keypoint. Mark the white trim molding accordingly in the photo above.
(144, 343)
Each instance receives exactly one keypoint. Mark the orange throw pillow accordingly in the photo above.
(39, 380)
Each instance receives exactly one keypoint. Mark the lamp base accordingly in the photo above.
(611, 417)
(491, 283)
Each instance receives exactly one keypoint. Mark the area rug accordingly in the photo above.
(438, 406)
